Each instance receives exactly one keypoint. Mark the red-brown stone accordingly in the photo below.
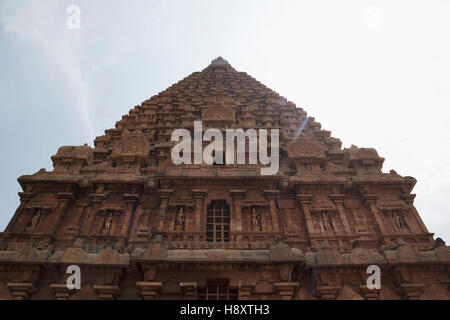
(139, 226)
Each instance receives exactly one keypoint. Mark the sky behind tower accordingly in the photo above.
(374, 73)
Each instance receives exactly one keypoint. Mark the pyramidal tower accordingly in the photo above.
(137, 224)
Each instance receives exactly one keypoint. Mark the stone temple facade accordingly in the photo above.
(141, 227)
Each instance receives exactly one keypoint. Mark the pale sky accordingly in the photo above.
(374, 73)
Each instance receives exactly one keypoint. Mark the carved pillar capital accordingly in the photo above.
(61, 291)
(370, 199)
(286, 290)
(369, 294)
(131, 198)
(65, 197)
(411, 291)
(105, 292)
(337, 197)
(149, 290)
(304, 198)
(21, 291)
(165, 193)
(199, 193)
(271, 194)
(238, 194)
(245, 290)
(327, 292)
(189, 289)
(97, 198)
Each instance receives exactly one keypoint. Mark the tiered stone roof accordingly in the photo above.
(141, 226)
(139, 145)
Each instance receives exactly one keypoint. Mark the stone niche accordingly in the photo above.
(306, 155)
(218, 117)
(71, 158)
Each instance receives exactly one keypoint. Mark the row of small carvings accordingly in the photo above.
(323, 255)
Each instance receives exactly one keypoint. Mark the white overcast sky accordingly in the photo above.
(374, 73)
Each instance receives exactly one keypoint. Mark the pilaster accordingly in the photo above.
(237, 196)
(271, 196)
(199, 196)
(338, 200)
(130, 200)
(165, 195)
(304, 201)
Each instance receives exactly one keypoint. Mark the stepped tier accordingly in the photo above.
(141, 226)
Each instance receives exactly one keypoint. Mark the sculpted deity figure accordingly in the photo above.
(256, 219)
(179, 219)
(108, 222)
(326, 220)
(400, 221)
(35, 220)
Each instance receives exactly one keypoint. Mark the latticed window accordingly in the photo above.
(217, 290)
(218, 221)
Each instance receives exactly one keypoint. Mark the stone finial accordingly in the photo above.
(219, 62)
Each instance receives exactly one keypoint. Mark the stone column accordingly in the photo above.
(338, 200)
(165, 195)
(189, 219)
(199, 196)
(24, 198)
(237, 196)
(65, 198)
(304, 200)
(409, 198)
(74, 227)
(271, 196)
(96, 200)
(290, 228)
(130, 200)
(371, 202)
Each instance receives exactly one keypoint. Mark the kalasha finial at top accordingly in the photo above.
(219, 62)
